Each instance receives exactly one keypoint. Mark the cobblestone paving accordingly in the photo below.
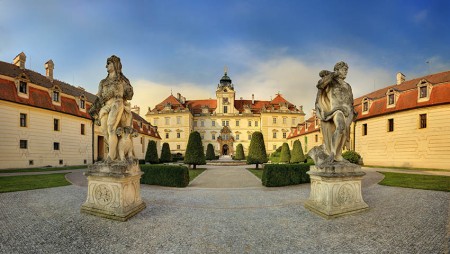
(254, 220)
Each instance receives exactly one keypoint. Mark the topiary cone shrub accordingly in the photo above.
(285, 155)
(166, 156)
(195, 154)
(239, 153)
(297, 154)
(151, 156)
(257, 150)
(210, 155)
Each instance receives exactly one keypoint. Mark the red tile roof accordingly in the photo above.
(301, 130)
(40, 98)
(408, 96)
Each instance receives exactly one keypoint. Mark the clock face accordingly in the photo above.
(225, 100)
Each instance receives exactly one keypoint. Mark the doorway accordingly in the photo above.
(225, 149)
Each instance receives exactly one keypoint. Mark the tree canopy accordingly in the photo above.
(257, 150)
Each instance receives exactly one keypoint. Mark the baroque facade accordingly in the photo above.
(403, 125)
(46, 121)
(224, 121)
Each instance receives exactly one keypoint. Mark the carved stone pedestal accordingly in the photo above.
(336, 190)
(114, 190)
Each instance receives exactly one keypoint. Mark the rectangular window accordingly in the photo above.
(237, 122)
(213, 136)
(202, 136)
(249, 137)
(284, 120)
(274, 147)
(274, 135)
(195, 123)
(56, 96)
(256, 123)
(249, 123)
(23, 120)
(140, 125)
(23, 87)
(284, 134)
(202, 123)
(61, 162)
(142, 140)
(82, 129)
(364, 129)
(423, 121)
(82, 104)
(225, 109)
(31, 162)
(213, 123)
(178, 120)
(55, 145)
(85, 161)
(178, 147)
(225, 123)
(155, 122)
(167, 120)
(391, 99)
(365, 106)
(237, 136)
(316, 137)
(293, 121)
(56, 124)
(178, 135)
(23, 144)
(423, 92)
(167, 135)
(390, 125)
(274, 120)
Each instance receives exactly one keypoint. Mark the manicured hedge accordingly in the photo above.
(275, 175)
(165, 175)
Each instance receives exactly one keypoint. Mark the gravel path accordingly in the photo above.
(252, 220)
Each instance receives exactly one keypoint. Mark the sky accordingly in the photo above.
(269, 47)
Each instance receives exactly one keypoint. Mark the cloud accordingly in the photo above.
(420, 16)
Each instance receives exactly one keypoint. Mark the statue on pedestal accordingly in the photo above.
(335, 182)
(114, 184)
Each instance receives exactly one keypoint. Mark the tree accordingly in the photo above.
(195, 154)
(239, 153)
(210, 155)
(297, 155)
(151, 155)
(166, 156)
(257, 151)
(285, 155)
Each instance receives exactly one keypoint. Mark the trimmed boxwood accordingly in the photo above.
(275, 175)
(165, 175)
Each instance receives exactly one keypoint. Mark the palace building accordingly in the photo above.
(46, 121)
(224, 121)
(403, 125)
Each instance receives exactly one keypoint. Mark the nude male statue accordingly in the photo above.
(111, 109)
(334, 107)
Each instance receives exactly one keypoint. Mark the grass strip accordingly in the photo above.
(193, 173)
(256, 172)
(403, 168)
(424, 182)
(31, 182)
(20, 170)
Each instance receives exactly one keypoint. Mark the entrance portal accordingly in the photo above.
(225, 149)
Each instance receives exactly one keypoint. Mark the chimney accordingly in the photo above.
(179, 96)
(49, 66)
(19, 60)
(400, 78)
(136, 109)
(242, 98)
(313, 112)
(253, 99)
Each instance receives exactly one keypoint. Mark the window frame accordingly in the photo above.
(23, 144)
(23, 121)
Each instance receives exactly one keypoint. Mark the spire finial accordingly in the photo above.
(225, 69)
(171, 93)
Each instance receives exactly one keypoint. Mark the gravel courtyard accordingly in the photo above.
(224, 220)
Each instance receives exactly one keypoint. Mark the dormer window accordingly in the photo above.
(365, 105)
(424, 90)
(391, 98)
(56, 96)
(82, 104)
(23, 87)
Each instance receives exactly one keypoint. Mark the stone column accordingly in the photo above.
(114, 190)
(336, 190)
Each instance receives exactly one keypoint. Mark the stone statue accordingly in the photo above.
(334, 108)
(112, 111)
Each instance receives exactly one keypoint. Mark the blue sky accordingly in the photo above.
(268, 46)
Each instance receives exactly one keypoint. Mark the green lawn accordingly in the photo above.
(193, 173)
(20, 170)
(403, 168)
(425, 182)
(31, 182)
(256, 172)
